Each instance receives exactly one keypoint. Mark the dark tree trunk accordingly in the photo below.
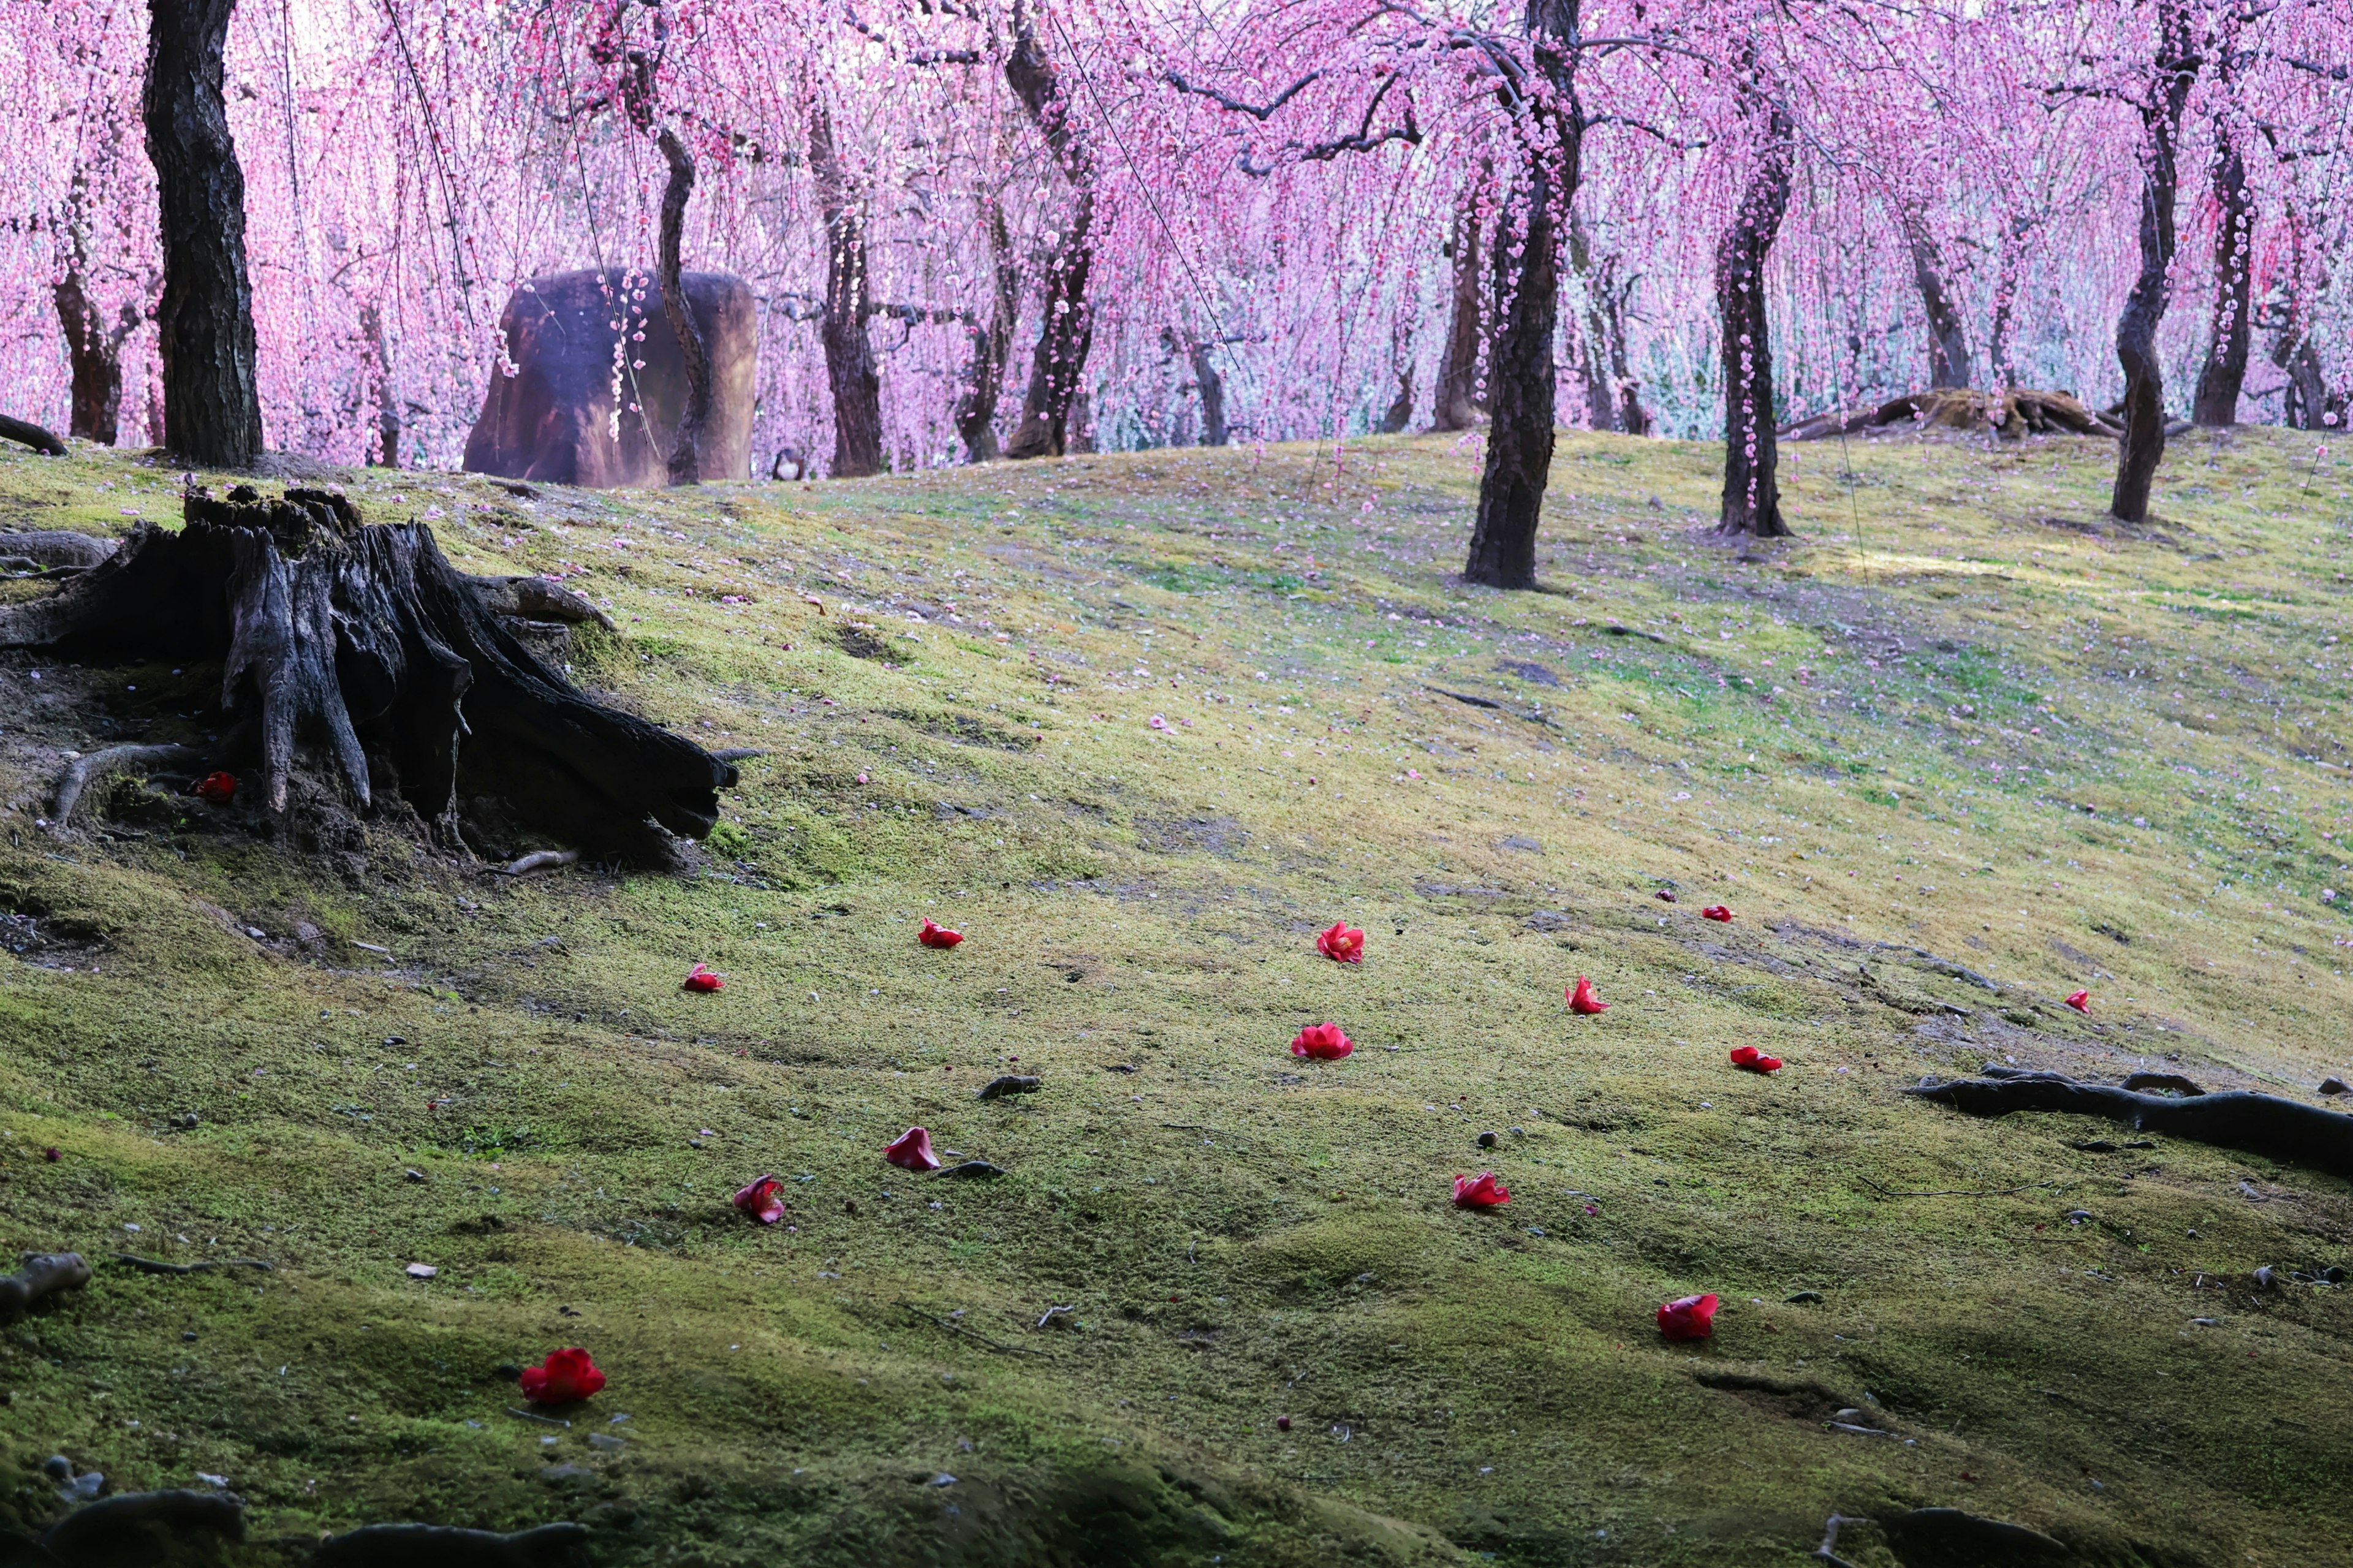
(212, 404)
(2217, 401)
(1066, 328)
(848, 304)
(387, 401)
(2143, 446)
(1752, 486)
(94, 348)
(1613, 396)
(1949, 342)
(1454, 398)
(1212, 387)
(983, 382)
(2014, 235)
(1400, 413)
(686, 446)
(1522, 379)
(365, 639)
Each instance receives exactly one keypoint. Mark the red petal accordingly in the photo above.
(2081, 1001)
(1581, 998)
(911, 1150)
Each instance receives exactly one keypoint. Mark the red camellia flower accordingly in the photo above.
(762, 1199)
(1344, 943)
(702, 980)
(1324, 1042)
(912, 1151)
(216, 789)
(1581, 998)
(568, 1375)
(1755, 1061)
(1665, 895)
(2081, 1001)
(1479, 1192)
(1688, 1318)
(937, 935)
(1715, 912)
(51, 1155)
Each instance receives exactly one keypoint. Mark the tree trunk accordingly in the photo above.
(2143, 446)
(2217, 401)
(1212, 388)
(1752, 487)
(686, 446)
(94, 350)
(2015, 232)
(1949, 342)
(1400, 413)
(1521, 375)
(848, 304)
(1613, 395)
(212, 404)
(364, 638)
(1454, 398)
(387, 401)
(983, 382)
(1066, 328)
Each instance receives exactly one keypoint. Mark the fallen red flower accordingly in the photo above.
(911, 1150)
(937, 935)
(762, 1200)
(1665, 896)
(1688, 1318)
(1581, 998)
(702, 980)
(1715, 912)
(1755, 1061)
(51, 1155)
(216, 789)
(1344, 943)
(568, 1375)
(2081, 1001)
(1324, 1042)
(1479, 1192)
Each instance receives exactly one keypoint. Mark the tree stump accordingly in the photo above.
(363, 639)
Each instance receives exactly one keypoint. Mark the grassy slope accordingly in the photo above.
(1936, 725)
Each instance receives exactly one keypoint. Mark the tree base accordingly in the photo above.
(2252, 1123)
(2010, 416)
(364, 641)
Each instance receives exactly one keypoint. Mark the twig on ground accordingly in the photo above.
(538, 860)
(205, 1266)
(956, 1328)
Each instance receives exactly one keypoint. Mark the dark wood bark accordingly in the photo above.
(1454, 397)
(165, 1527)
(686, 442)
(1066, 328)
(2232, 325)
(1400, 413)
(2144, 312)
(94, 353)
(386, 454)
(1752, 489)
(25, 433)
(1522, 379)
(1212, 388)
(2254, 1123)
(992, 343)
(2307, 402)
(850, 366)
(1949, 339)
(1613, 395)
(212, 402)
(559, 1545)
(365, 639)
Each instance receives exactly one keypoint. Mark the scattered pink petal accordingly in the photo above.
(912, 1151)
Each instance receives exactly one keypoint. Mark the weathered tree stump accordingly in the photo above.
(364, 639)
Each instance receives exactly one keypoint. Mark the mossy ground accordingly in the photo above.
(1953, 730)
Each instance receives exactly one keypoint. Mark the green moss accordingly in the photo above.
(1239, 1236)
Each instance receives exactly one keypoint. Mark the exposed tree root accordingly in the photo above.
(2254, 1123)
(537, 599)
(25, 433)
(85, 771)
(2010, 414)
(364, 637)
(1949, 1538)
(54, 552)
(42, 1273)
(204, 1266)
(152, 1529)
(407, 1545)
(539, 861)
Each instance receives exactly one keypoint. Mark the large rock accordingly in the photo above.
(552, 419)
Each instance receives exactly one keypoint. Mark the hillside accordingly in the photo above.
(1139, 726)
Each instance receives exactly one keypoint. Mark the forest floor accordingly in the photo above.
(1140, 726)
